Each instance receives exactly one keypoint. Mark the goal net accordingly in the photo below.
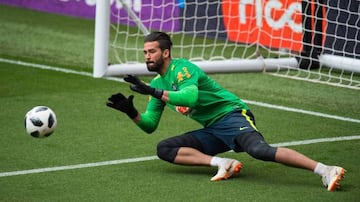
(315, 40)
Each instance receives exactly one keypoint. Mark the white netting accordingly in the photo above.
(332, 40)
(317, 34)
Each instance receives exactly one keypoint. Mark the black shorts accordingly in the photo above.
(220, 136)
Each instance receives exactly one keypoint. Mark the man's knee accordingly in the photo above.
(254, 144)
(167, 149)
(263, 152)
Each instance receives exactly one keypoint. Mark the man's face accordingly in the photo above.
(153, 56)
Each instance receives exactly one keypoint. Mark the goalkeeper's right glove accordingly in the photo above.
(120, 102)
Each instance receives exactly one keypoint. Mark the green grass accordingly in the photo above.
(24, 31)
(88, 131)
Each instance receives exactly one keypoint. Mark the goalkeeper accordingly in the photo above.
(227, 121)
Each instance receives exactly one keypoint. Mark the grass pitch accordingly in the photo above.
(90, 132)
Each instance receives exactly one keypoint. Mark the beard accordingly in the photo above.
(155, 66)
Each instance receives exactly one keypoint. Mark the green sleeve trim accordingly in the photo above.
(186, 97)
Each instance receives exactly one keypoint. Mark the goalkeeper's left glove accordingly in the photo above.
(143, 88)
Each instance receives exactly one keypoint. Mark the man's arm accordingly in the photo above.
(149, 120)
(186, 97)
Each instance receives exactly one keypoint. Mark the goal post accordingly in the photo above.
(315, 40)
(101, 45)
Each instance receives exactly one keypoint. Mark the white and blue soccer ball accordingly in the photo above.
(40, 121)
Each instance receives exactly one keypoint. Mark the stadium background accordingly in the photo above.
(340, 39)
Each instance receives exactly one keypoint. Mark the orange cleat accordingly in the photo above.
(230, 168)
(332, 178)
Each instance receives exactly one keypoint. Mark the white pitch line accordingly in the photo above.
(71, 167)
(313, 141)
(39, 66)
(302, 111)
(58, 69)
(148, 158)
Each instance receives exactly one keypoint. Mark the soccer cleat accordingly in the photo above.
(332, 178)
(227, 169)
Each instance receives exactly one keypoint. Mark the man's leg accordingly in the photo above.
(295, 159)
(331, 175)
(191, 156)
(188, 150)
(254, 144)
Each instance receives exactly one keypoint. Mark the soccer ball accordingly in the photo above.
(40, 121)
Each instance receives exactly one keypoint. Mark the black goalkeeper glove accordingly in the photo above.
(143, 88)
(120, 102)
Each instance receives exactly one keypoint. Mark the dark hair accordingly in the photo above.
(161, 37)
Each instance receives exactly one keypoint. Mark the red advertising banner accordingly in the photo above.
(272, 23)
